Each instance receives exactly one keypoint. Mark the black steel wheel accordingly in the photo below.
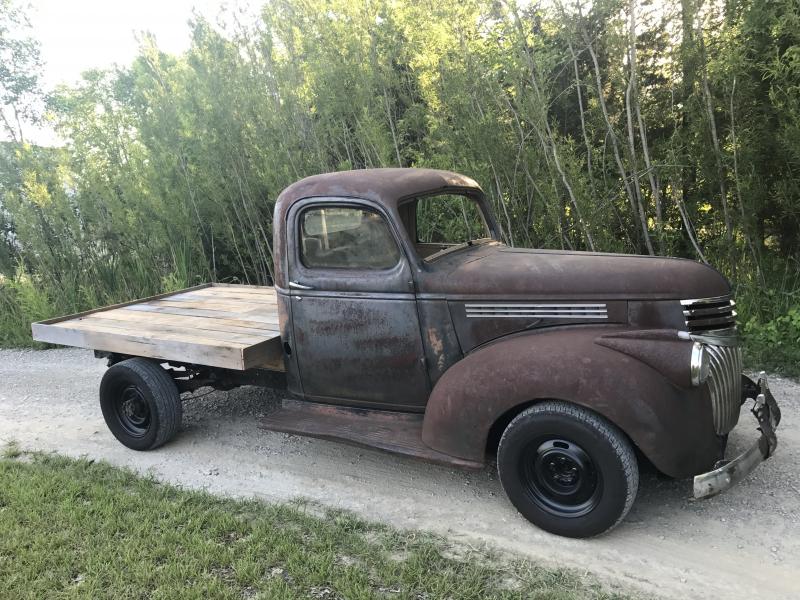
(567, 470)
(140, 403)
(132, 411)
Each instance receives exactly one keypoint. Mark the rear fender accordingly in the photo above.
(635, 382)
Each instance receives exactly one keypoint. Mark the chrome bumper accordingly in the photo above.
(729, 473)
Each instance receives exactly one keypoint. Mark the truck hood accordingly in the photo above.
(496, 270)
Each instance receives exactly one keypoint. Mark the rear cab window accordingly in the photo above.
(440, 223)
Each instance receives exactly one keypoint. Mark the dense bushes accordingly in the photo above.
(668, 128)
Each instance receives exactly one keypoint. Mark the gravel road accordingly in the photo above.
(743, 544)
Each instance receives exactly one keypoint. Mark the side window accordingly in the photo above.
(339, 237)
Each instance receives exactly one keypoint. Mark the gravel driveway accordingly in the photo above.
(743, 544)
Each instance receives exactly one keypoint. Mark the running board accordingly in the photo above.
(389, 431)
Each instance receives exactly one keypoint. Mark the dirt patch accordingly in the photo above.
(743, 544)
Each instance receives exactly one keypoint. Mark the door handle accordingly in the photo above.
(299, 286)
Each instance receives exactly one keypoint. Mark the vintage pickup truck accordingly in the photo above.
(400, 321)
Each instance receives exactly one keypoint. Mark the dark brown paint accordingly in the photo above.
(385, 340)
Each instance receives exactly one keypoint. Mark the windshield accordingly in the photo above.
(449, 219)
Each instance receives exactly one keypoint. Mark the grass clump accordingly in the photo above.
(75, 528)
(11, 450)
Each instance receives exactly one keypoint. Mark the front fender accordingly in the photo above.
(672, 425)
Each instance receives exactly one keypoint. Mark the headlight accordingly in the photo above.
(700, 364)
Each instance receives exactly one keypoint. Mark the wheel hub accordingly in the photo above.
(560, 477)
(562, 470)
(132, 411)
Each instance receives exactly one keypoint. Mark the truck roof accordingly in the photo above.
(386, 186)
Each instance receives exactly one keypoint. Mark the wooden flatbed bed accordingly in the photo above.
(216, 325)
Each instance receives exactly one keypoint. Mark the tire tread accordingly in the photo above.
(617, 439)
(165, 395)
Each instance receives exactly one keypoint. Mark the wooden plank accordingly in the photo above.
(121, 305)
(220, 325)
(243, 291)
(155, 324)
(155, 336)
(181, 351)
(193, 297)
(194, 322)
(163, 330)
(193, 312)
(266, 355)
(242, 286)
(233, 306)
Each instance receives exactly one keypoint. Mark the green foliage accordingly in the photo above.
(22, 302)
(20, 64)
(775, 344)
(449, 218)
(76, 528)
(173, 163)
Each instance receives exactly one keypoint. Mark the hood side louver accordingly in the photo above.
(537, 311)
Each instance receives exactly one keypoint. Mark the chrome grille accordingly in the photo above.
(709, 314)
(725, 385)
(712, 321)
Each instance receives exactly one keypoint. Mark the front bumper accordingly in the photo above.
(729, 473)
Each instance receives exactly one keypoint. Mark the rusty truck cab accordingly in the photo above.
(349, 266)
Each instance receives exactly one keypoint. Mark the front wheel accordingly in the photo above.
(567, 469)
(141, 403)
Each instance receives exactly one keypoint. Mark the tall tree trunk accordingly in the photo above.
(637, 190)
(549, 133)
(723, 188)
(745, 231)
(586, 141)
(615, 148)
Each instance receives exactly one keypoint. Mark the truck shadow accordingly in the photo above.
(208, 411)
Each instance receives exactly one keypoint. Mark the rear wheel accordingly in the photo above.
(141, 404)
(567, 470)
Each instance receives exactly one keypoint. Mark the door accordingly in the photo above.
(354, 316)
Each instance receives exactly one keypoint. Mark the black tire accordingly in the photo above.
(567, 470)
(141, 403)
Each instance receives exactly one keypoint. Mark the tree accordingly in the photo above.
(20, 68)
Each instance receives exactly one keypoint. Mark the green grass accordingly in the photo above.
(77, 528)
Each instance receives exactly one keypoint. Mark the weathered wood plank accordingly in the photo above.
(192, 322)
(164, 349)
(243, 287)
(235, 306)
(255, 300)
(219, 325)
(265, 355)
(121, 305)
(215, 289)
(224, 314)
(163, 330)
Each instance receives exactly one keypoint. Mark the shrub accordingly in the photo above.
(774, 344)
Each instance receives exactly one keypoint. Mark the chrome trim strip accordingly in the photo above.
(710, 311)
(549, 306)
(535, 316)
(705, 300)
(709, 314)
(570, 311)
(538, 311)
